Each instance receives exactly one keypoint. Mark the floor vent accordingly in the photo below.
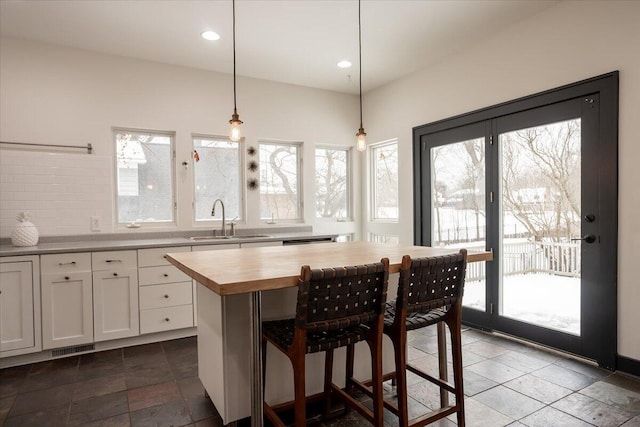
(70, 350)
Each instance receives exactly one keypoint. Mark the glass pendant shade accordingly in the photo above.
(361, 141)
(234, 133)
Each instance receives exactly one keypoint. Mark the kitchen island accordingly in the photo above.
(239, 288)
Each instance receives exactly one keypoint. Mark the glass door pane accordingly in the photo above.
(458, 217)
(540, 268)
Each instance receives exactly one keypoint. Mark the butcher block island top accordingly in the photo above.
(238, 271)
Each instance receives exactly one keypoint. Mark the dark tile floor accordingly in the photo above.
(507, 384)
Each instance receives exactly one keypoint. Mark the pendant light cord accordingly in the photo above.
(360, 60)
(234, 56)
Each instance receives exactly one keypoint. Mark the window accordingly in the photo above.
(332, 183)
(384, 172)
(280, 189)
(144, 171)
(217, 174)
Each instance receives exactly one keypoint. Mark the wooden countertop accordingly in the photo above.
(237, 271)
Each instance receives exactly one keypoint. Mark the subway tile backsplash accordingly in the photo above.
(61, 190)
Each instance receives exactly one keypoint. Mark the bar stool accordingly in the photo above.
(429, 291)
(336, 307)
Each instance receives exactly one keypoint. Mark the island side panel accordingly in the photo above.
(237, 356)
(210, 348)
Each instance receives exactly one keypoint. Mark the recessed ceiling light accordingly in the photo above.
(210, 35)
(344, 64)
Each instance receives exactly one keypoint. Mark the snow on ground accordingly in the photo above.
(542, 299)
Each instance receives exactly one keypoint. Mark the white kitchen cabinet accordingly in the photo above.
(67, 300)
(166, 294)
(115, 295)
(20, 328)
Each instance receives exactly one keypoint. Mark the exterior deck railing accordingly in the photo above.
(561, 259)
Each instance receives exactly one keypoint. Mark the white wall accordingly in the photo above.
(564, 44)
(55, 95)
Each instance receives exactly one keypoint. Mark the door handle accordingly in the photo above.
(588, 238)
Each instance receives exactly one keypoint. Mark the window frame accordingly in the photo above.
(242, 208)
(119, 225)
(299, 180)
(349, 175)
(371, 150)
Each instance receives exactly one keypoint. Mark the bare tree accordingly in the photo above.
(331, 183)
(458, 174)
(541, 178)
(474, 179)
(278, 181)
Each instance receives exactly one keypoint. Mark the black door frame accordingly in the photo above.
(603, 317)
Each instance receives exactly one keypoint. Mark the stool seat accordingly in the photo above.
(415, 320)
(281, 333)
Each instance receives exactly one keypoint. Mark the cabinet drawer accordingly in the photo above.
(165, 295)
(160, 275)
(167, 318)
(113, 260)
(58, 263)
(155, 256)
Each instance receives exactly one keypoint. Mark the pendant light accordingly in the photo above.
(235, 122)
(361, 141)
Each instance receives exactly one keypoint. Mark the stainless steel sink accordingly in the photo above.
(245, 236)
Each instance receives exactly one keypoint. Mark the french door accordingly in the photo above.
(535, 181)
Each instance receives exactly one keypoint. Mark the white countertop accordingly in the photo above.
(75, 244)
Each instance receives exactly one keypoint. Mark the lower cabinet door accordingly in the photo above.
(16, 306)
(67, 309)
(115, 304)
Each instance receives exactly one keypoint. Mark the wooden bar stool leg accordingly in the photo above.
(300, 404)
(328, 377)
(442, 362)
(456, 349)
(375, 344)
(348, 382)
(399, 350)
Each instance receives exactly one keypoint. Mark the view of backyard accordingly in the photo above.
(539, 279)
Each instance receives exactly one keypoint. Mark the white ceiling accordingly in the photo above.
(292, 41)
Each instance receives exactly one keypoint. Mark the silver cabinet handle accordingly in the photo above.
(67, 263)
(113, 260)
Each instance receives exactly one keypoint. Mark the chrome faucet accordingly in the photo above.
(213, 213)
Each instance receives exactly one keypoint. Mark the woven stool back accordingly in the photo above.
(433, 282)
(337, 298)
